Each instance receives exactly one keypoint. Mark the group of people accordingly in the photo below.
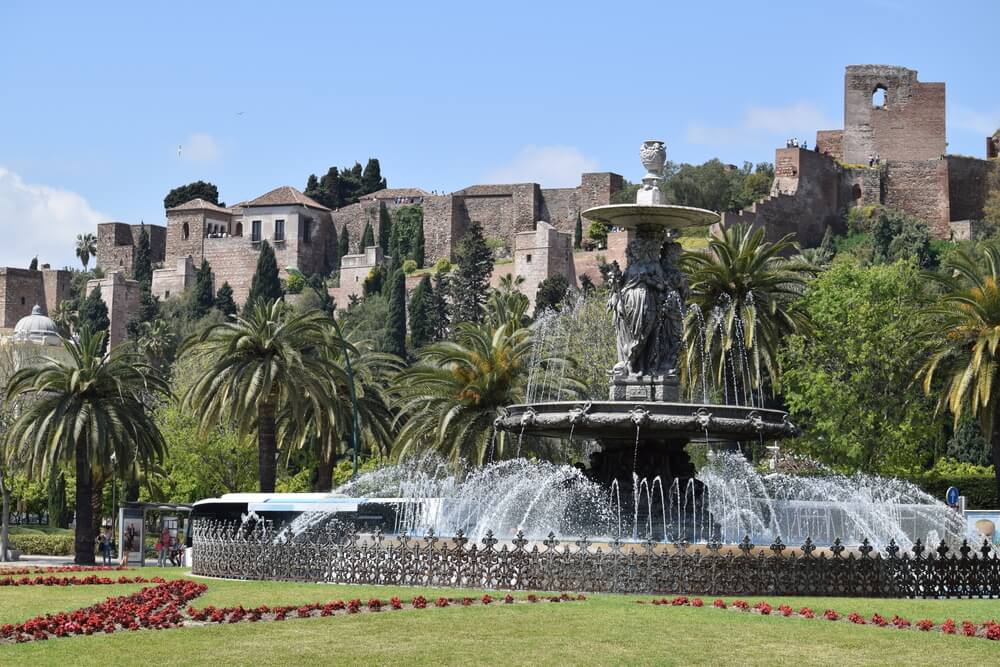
(169, 548)
(794, 143)
(874, 160)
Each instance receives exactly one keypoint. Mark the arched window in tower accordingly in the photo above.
(185, 231)
(878, 97)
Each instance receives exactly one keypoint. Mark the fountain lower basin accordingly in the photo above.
(622, 420)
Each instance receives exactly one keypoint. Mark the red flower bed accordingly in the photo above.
(90, 580)
(11, 571)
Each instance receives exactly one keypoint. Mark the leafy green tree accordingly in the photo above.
(86, 408)
(329, 192)
(748, 293)
(369, 320)
(148, 311)
(312, 188)
(368, 237)
(551, 293)
(408, 229)
(323, 301)
(344, 244)
(963, 336)
(755, 186)
(374, 281)
(712, 185)
(968, 445)
(333, 249)
(202, 297)
(268, 360)
(441, 320)
(185, 193)
(142, 266)
(385, 231)
(578, 232)
(471, 282)
(422, 331)
(585, 333)
(896, 235)
(93, 313)
(371, 178)
(156, 341)
(397, 313)
(847, 382)
(507, 304)
(265, 285)
(34, 264)
(450, 399)
(86, 247)
(224, 300)
(598, 233)
(57, 499)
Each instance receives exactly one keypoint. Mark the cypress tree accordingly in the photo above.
(57, 498)
(385, 231)
(224, 300)
(344, 244)
(422, 330)
(471, 282)
(149, 311)
(374, 281)
(418, 244)
(439, 307)
(371, 178)
(578, 233)
(397, 314)
(93, 313)
(34, 264)
(334, 247)
(265, 285)
(202, 296)
(368, 237)
(142, 267)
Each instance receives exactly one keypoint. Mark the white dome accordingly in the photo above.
(37, 328)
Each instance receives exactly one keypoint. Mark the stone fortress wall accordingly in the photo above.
(22, 289)
(117, 243)
(890, 153)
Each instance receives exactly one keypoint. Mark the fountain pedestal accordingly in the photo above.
(664, 388)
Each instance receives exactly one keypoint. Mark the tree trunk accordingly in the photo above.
(84, 545)
(266, 447)
(4, 517)
(324, 473)
(97, 503)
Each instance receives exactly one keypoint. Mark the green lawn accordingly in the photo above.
(605, 629)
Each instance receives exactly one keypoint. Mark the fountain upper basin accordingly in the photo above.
(619, 420)
(635, 216)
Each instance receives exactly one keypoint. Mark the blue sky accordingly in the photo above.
(96, 98)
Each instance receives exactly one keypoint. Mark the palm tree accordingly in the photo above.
(450, 399)
(86, 247)
(155, 342)
(963, 332)
(270, 359)
(328, 431)
(86, 408)
(746, 293)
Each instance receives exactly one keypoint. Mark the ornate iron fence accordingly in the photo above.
(229, 550)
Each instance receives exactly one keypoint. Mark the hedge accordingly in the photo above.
(980, 491)
(43, 545)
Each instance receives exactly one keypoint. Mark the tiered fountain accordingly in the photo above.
(643, 428)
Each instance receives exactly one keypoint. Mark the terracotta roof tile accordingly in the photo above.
(200, 205)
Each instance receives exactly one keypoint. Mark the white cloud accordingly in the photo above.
(41, 220)
(200, 147)
(983, 123)
(800, 119)
(549, 166)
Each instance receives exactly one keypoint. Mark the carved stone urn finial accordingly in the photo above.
(653, 154)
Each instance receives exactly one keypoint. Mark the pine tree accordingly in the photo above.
(312, 186)
(418, 245)
(142, 267)
(328, 192)
(578, 233)
(224, 300)
(440, 319)
(185, 193)
(371, 178)
(385, 232)
(368, 237)
(34, 264)
(265, 285)
(422, 330)
(551, 293)
(397, 314)
(344, 244)
(93, 313)
(202, 297)
(148, 311)
(470, 285)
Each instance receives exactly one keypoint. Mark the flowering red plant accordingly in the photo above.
(925, 624)
(856, 618)
(992, 629)
(508, 599)
(763, 607)
(396, 603)
(741, 605)
(968, 628)
(719, 603)
(806, 612)
(948, 627)
(831, 615)
(679, 601)
(696, 602)
(441, 602)
(785, 610)
(879, 620)
(900, 622)
(532, 597)
(419, 602)
(487, 599)
(374, 605)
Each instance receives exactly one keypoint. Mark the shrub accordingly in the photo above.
(295, 283)
(43, 545)
(409, 266)
(442, 265)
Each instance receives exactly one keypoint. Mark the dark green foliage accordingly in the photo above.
(385, 231)
(34, 264)
(333, 249)
(312, 186)
(980, 491)
(93, 313)
(224, 300)
(968, 445)
(265, 286)
(440, 317)
(397, 314)
(149, 311)
(344, 243)
(324, 300)
(57, 499)
(551, 293)
(368, 237)
(408, 233)
(896, 235)
(471, 282)
(422, 329)
(371, 178)
(368, 319)
(374, 281)
(185, 193)
(598, 233)
(142, 267)
(202, 297)
(418, 254)
(578, 232)
(586, 284)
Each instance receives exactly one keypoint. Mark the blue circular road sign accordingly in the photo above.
(951, 496)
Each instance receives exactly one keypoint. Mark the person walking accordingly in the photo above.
(163, 547)
(105, 543)
(128, 544)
